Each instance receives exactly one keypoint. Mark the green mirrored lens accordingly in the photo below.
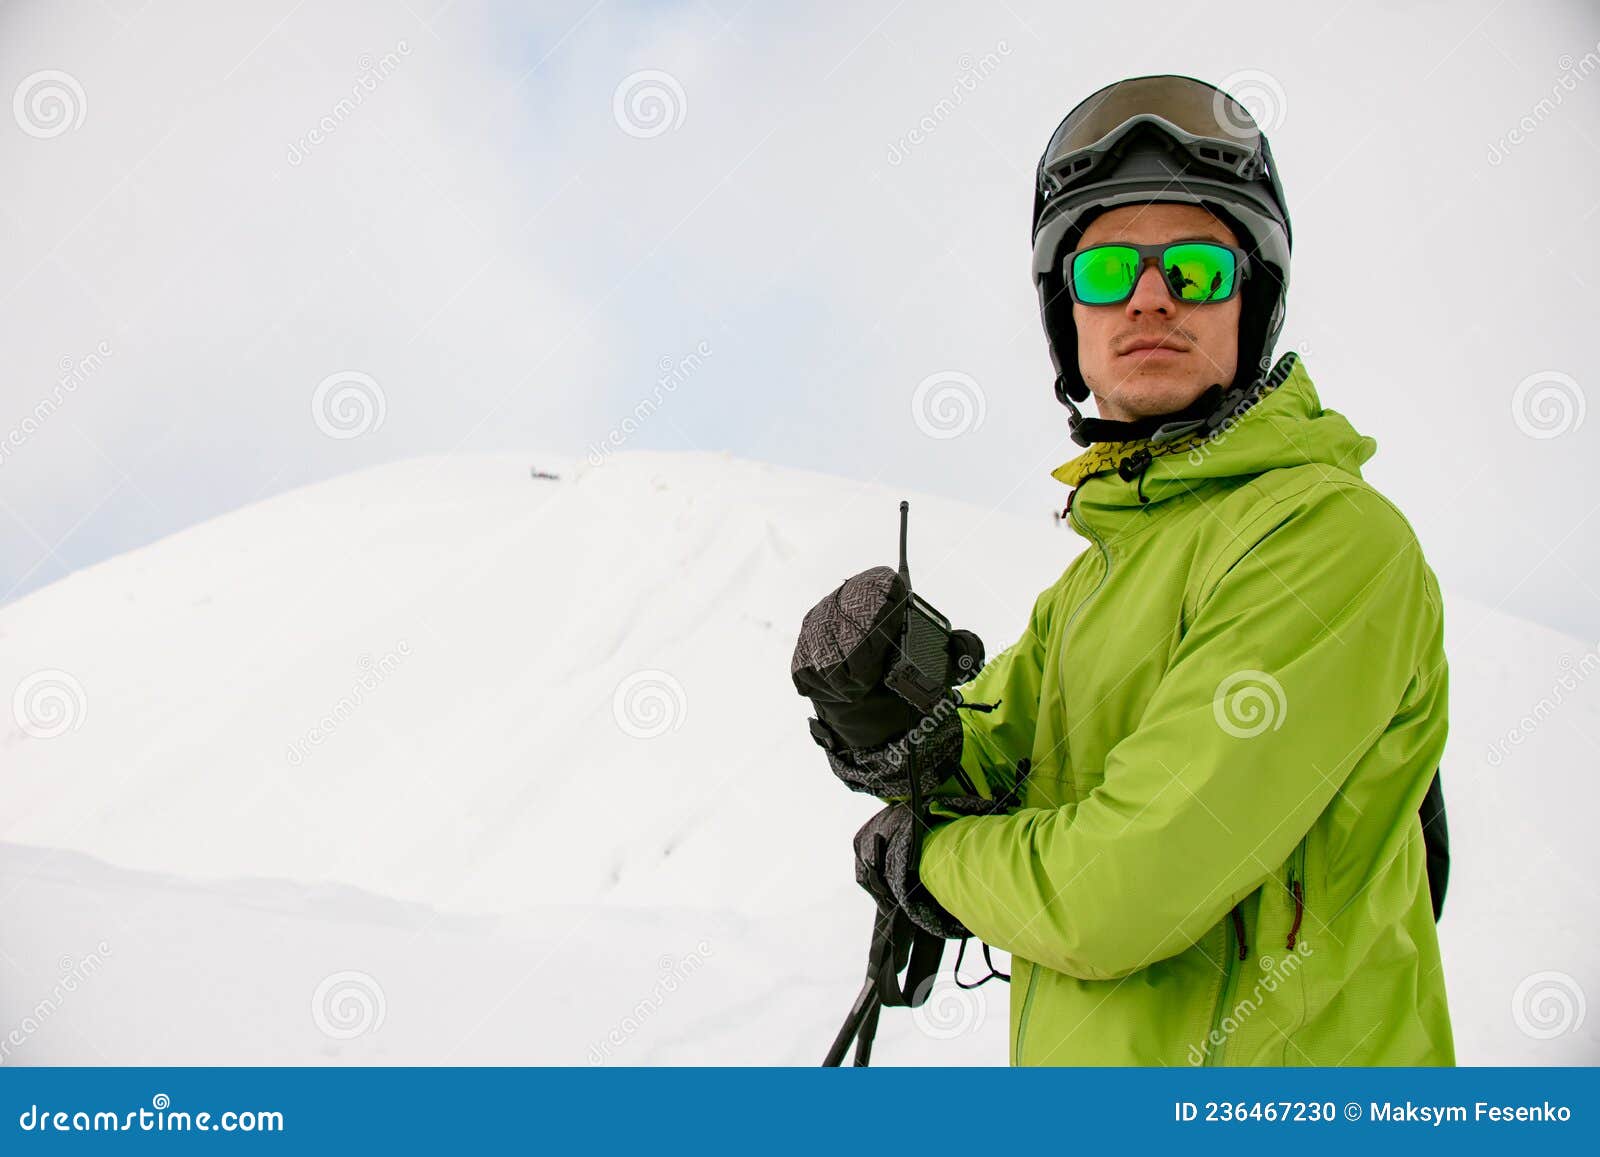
(1104, 274)
(1199, 271)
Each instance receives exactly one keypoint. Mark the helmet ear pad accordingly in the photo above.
(1055, 309)
(1262, 292)
(1061, 334)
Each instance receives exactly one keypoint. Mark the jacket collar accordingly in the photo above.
(1281, 423)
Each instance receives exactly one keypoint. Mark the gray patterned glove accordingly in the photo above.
(876, 742)
(885, 866)
(929, 754)
(847, 644)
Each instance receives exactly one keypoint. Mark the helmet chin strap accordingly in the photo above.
(1155, 428)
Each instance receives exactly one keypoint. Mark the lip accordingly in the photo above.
(1154, 351)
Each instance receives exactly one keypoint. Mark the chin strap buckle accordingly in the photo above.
(1156, 428)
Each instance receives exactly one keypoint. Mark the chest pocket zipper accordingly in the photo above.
(1297, 890)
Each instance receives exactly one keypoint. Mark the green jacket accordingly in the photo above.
(1233, 702)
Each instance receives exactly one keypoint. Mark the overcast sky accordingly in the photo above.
(254, 245)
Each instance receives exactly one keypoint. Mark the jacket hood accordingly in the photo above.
(1285, 426)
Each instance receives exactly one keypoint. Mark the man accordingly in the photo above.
(1224, 717)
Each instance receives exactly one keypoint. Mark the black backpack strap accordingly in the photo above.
(1436, 839)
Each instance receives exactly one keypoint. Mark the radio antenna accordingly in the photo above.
(905, 571)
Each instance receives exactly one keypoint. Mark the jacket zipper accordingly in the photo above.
(1105, 555)
(1297, 890)
(1234, 947)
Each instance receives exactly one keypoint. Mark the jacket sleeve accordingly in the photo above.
(994, 742)
(1292, 666)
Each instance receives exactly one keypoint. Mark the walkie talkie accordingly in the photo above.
(932, 658)
(922, 674)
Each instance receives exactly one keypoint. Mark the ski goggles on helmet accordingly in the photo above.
(1213, 127)
(1195, 272)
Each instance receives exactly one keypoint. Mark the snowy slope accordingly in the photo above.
(521, 756)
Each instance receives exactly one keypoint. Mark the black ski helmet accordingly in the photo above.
(1160, 138)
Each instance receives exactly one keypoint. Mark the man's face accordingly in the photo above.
(1199, 342)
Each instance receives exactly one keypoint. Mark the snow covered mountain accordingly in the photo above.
(447, 762)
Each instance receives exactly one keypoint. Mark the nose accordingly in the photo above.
(1150, 294)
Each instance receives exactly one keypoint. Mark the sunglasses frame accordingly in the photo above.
(1241, 268)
